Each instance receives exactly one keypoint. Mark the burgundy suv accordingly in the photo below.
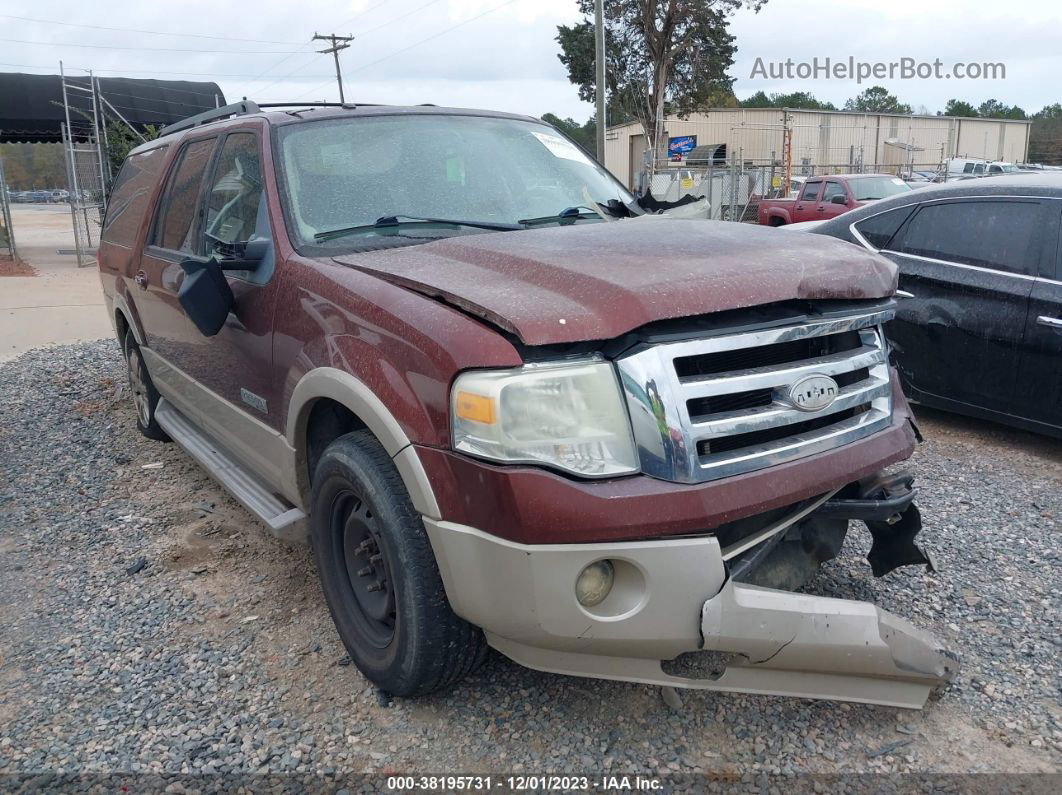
(510, 408)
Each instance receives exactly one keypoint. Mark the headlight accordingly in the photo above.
(567, 415)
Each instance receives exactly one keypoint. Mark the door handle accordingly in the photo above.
(1050, 322)
(821, 209)
(141, 279)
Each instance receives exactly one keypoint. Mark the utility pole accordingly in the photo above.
(338, 43)
(599, 49)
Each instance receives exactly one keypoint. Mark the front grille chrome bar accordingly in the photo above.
(676, 445)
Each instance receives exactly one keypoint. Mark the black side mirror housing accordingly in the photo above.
(205, 295)
(839, 200)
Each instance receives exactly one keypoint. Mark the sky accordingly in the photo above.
(501, 54)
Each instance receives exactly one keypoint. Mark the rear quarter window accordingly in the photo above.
(130, 194)
(878, 229)
(1001, 235)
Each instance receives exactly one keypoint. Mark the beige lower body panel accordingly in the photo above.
(736, 637)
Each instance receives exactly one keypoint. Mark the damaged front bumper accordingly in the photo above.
(681, 619)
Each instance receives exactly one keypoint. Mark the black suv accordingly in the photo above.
(981, 332)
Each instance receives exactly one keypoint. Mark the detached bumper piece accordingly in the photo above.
(792, 644)
(885, 504)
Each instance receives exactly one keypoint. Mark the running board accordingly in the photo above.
(283, 519)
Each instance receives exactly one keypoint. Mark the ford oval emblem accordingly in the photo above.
(813, 393)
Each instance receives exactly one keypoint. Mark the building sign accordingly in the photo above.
(680, 146)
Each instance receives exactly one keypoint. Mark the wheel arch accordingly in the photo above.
(125, 320)
(327, 403)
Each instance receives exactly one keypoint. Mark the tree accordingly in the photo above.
(583, 134)
(876, 99)
(1045, 135)
(958, 107)
(663, 56)
(994, 109)
(801, 100)
(121, 140)
(1049, 112)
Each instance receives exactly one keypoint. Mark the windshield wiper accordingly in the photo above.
(393, 221)
(567, 215)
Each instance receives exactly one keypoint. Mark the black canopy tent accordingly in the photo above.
(31, 106)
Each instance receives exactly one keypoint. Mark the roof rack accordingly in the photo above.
(241, 109)
(224, 112)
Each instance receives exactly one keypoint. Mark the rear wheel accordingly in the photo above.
(142, 388)
(379, 574)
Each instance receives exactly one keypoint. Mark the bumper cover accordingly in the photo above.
(680, 607)
(758, 640)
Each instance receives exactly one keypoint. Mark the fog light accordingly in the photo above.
(594, 583)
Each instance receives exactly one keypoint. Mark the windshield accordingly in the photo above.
(869, 188)
(351, 172)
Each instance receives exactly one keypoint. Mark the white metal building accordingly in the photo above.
(833, 139)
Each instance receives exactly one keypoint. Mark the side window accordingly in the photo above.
(995, 170)
(879, 229)
(810, 192)
(968, 168)
(175, 226)
(235, 194)
(1002, 235)
(979, 168)
(129, 196)
(833, 189)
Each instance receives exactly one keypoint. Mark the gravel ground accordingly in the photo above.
(148, 624)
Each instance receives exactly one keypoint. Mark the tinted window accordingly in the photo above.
(810, 192)
(879, 229)
(175, 226)
(235, 192)
(979, 168)
(833, 189)
(968, 168)
(129, 196)
(991, 234)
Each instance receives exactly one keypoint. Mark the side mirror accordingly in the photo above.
(839, 200)
(242, 256)
(205, 295)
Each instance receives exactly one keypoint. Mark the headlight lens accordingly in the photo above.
(566, 415)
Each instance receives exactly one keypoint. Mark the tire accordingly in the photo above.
(379, 574)
(142, 388)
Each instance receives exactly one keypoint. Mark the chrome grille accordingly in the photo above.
(710, 408)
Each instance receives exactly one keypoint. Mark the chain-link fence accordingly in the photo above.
(7, 234)
(733, 189)
(85, 178)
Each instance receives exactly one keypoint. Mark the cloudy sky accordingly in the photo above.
(501, 54)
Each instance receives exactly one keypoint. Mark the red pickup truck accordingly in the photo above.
(830, 195)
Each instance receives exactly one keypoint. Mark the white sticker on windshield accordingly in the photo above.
(897, 181)
(560, 147)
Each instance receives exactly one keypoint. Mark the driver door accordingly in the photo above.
(237, 399)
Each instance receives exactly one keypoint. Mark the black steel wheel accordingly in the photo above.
(379, 574)
(142, 390)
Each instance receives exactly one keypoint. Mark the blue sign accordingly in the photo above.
(680, 146)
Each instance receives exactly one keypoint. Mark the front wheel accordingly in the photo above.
(379, 574)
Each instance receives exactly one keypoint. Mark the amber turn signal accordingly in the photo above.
(478, 408)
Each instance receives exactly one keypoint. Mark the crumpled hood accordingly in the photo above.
(599, 281)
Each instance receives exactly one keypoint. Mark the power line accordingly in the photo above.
(156, 72)
(148, 32)
(399, 18)
(287, 57)
(418, 43)
(152, 49)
